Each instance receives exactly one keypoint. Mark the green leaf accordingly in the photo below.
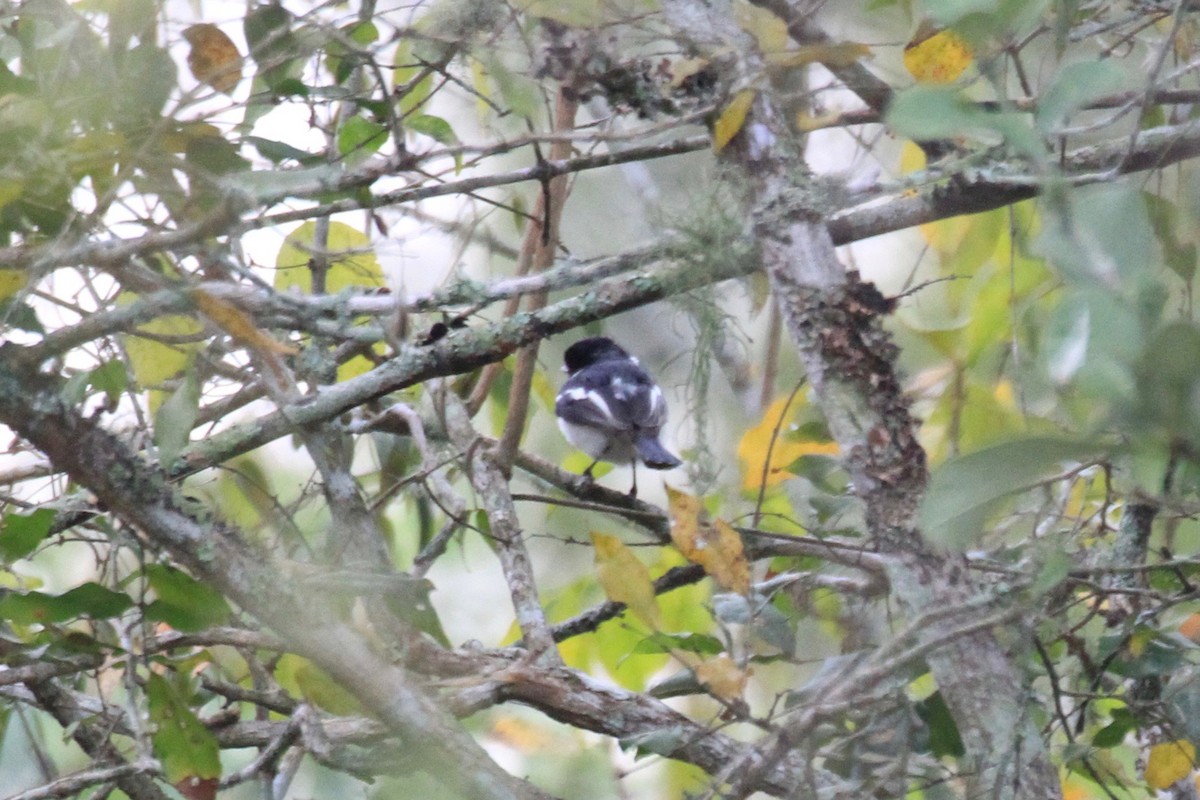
(434, 127)
(279, 151)
(360, 137)
(272, 45)
(944, 738)
(689, 642)
(1113, 734)
(1168, 382)
(22, 533)
(183, 602)
(1166, 220)
(175, 419)
(89, 600)
(145, 82)
(110, 378)
(185, 747)
(1075, 87)
(925, 112)
(964, 490)
(1054, 570)
(300, 676)
(437, 129)
(659, 741)
(17, 314)
(215, 155)
(407, 70)
(362, 33)
(936, 112)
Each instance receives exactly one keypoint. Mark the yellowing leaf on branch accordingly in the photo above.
(721, 676)
(1169, 762)
(214, 59)
(347, 252)
(732, 118)
(684, 510)
(625, 579)
(349, 259)
(164, 348)
(768, 29)
(11, 282)
(716, 547)
(766, 450)
(936, 56)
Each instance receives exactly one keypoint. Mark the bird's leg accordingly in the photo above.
(587, 476)
(633, 491)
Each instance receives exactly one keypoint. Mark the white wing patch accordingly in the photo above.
(623, 389)
(658, 403)
(597, 401)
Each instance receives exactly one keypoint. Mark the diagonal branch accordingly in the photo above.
(219, 555)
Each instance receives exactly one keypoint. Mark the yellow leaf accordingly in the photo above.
(348, 252)
(214, 59)
(577, 14)
(321, 690)
(832, 54)
(767, 29)
(1169, 762)
(522, 734)
(722, 677)
(350, 259)
(732, 118)
(684, 510)
(716, 547)
(234, 321)
(11, 282)
(936, 56)
(10, 190)
(1074, 789)
(625, 579)
(756, 443)
(165, 347)
(685, 68)
(806, 123)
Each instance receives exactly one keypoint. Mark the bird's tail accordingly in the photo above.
(652, 453)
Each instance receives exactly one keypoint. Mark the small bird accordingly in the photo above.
(611, 409)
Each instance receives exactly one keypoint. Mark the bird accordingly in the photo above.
(611, 408)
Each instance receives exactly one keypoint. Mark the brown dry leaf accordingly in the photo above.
(214, 59)
(194, 788)
(1169, 762)
(234, 321)
(684, 510)
(625, 579)
(936, 56)
(1190, 627)
(732, 118)
(722, 677)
